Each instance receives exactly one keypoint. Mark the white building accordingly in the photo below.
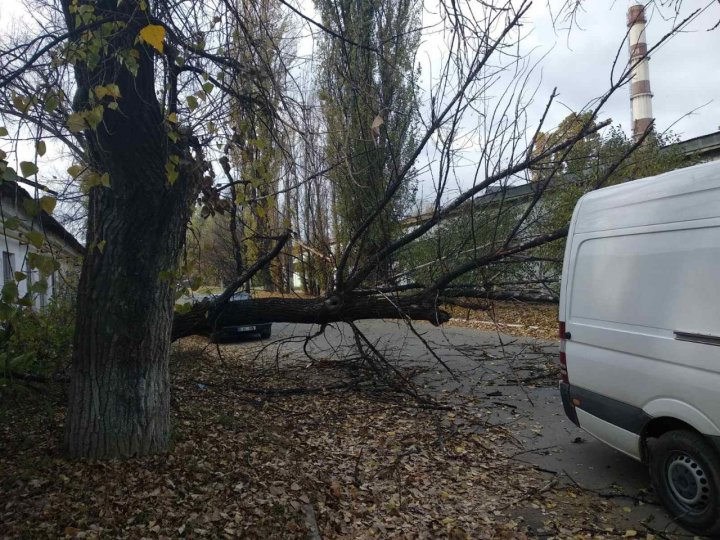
(16, 235)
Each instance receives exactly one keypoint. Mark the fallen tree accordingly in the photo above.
(204, 317)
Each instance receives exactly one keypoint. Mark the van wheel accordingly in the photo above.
(685, 471)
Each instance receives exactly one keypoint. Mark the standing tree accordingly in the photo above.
(257, 144)
(370, 107)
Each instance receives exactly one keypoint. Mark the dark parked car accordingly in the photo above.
(231, 333)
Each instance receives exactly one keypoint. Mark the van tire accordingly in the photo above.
(685, 472)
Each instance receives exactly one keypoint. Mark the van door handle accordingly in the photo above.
(568, 335)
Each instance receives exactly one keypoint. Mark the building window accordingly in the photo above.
(8, 263)
(42, 295)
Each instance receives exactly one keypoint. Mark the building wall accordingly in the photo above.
(14, 251)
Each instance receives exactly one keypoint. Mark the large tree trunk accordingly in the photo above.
(119, 390)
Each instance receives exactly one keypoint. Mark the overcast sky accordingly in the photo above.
(684, 74)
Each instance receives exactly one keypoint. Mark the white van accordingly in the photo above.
(640, 332)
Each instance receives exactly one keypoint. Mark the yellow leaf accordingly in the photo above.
(94, 116)
(172, 117)
(48, 204)
(75, 170)
(76, 122)
(154, 34)
(113, 90)
(630, 533)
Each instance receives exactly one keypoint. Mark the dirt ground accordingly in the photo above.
(249, 461)
(512, 318)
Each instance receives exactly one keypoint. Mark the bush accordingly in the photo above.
(38, 342)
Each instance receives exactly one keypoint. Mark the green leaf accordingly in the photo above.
(21, 103)
(10, 174)
(3, 131)
(154, 34)
(52, 102)
(76, 122)
(105, 180)
(171, 172)
(48, 204)
(101, 245)
(27, 168)
(208, 87)
(192, 102)
(182, 308)
(41, 148)
(112, 105)
(132, 65)
(10, 292)
(20, 276)
(46, 264)
(31, 207)
(11, 223)
(35, 238)
(39, 287)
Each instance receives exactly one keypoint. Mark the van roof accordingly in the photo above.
(684, 194)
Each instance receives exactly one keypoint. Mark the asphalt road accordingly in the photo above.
(516, 380)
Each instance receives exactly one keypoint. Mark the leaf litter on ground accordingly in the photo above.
(333, 464)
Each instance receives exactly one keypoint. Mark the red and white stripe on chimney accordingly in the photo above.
(640, 94)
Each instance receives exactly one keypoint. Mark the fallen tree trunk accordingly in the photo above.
(204, 317)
